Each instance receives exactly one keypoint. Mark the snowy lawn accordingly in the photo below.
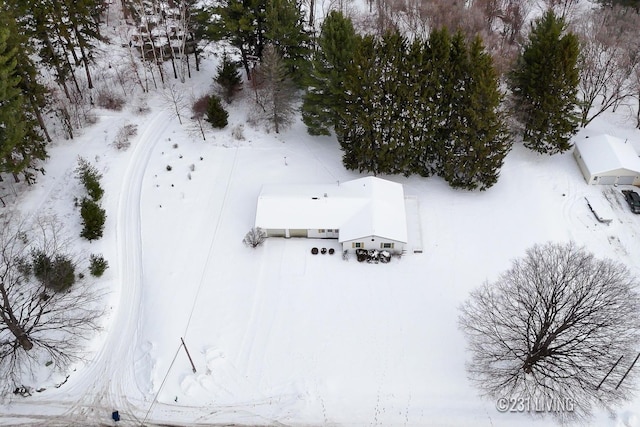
(278, 335)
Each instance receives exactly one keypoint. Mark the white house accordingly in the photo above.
(607, 160)
(367, 213)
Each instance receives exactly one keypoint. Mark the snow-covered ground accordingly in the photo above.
(279, 336)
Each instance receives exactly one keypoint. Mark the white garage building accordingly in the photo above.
(606, 159)
(366, 213)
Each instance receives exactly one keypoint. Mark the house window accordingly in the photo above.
(356, 245)
(386, 245)
(329, 230)
(321, 230)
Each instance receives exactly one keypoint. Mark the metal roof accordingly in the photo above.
(359, 208)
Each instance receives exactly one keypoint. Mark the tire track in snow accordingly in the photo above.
(108, 379)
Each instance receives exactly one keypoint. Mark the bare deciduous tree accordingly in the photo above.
(275, 92)
(199, 109)
(175, 101)
(254, 237)
(37, 323)
(609, 57)
(553, 327)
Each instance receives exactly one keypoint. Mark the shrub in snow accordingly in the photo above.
(90, 178)
(93, 218)
(56, 273)
(122, 141)
(97, 265)
(255, 237)
(199, 106)
(216, 114)
(109, 100)
(238, 132)
(169, 167)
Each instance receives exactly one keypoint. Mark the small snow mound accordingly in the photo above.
(630, 419)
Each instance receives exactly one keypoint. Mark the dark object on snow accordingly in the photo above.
(115, 416)
(361, 255)
(314, 251)
(633, 199)
(373, 256)
(331, 251)
(323, 251)
(22, 391)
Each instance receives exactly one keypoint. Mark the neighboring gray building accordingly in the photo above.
(607, 160)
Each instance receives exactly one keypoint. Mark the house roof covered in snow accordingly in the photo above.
(606, 153)
(363, 207)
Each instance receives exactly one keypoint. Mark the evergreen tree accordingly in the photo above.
(356, 119)
(451, 100)
(12, 128)
(242, 23)
(216, 114)
(93, 218)
(325, 95)
(284, 22)
(228, 78)
(21, 145)
(35, 94)
(436, 96)
(544, 86)
(480, 142)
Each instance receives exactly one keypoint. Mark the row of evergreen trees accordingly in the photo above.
(399, 107)
(433, 107)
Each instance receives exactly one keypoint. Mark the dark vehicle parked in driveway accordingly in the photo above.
(633, 199)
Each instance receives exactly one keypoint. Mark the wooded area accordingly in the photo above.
(411, 87)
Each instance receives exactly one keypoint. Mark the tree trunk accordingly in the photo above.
(38, 113)
(85, 60)
(6, 312)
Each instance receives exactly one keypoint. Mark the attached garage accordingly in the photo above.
(365, 213)
(607, 160)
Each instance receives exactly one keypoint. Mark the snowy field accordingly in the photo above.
(279, 336)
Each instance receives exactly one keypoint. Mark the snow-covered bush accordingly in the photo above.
(109, 100)
(97, 265)
(254, 237)
(122, 141)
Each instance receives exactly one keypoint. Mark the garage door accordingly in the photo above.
(295, 232)
(626, 180)
(275, 232)
(606, 180)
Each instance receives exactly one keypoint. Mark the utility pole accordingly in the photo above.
(188, 355)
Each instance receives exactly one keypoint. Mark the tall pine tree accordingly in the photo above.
(21, 144)
(544, 86)
(480, 141)
(12, 128)
(284, 22)
(325, 94)
(242, 23)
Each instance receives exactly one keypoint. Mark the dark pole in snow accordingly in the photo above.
(612, 368)
(188, 355)
(628, 370)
